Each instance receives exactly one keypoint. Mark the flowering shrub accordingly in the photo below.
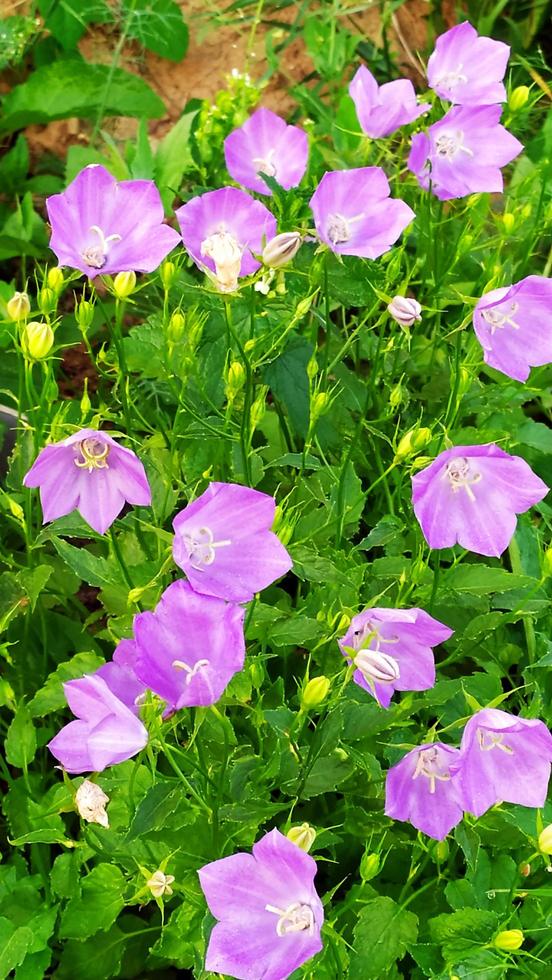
(285, 586)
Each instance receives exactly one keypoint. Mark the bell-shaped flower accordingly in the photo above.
(424, 790)
(224, 544)
(265, 144)
(269, 914)
(504, 758)
(223, 230)
(392, 650)
(91, 473)
(462, 153)
(513, 324)
(354, 214)
(105, 733)
(382, 109)
(470, 495)
(102, 226)
(120, 676)
(190, 647)
(468, 69)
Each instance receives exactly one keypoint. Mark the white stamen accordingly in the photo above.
(265, 164)
(95, 255)
(450, 78)
(448, 144)
(94, 454)
(337, 229)
(296, 918)
(498, 320)
(460, 475)
(201, 546)
(190, 671)
(428, 766)
(495, 741)
(226, 252)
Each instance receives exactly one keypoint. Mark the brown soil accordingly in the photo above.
(75, 367)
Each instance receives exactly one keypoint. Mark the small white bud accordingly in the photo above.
(160, 884)
(282, 249)
(404, 310)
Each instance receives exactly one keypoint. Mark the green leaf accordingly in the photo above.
(50, 696)
(20, 744)
(93, 960)
(382, 935)
(98, 906)
(287, 377)
(67, 21)
(14, 946)
(350, 280)
(174, 158)
(484, 579)
(14, 166)
(72, 87)
(95, 571)
(158, 25)
(34, 581)
(462, 930)
(160, 801)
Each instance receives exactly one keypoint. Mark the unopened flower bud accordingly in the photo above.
(518, 97)
(54, 279)
(525, 869)
(304, 836)
(160, 884)
(37, 339)
(235, 379)
(167, 274)
(91, 801)
(282, 249)
(547, 563)
(315, 692)
(442, 850)
(404, 310)
(85, 404)
(369, 866)
(509, 940)
(124, 284)
(47, 300)
(258, 410)
(84, 314)
(526, 211)
(312, 368)
(413, 442)
(176, 327)
(18, 306)
(508, 220)
(303, 307)
(320, 404)
(545, 840)
(396, 396)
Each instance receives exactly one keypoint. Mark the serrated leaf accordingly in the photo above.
(160, 801)
(463, 929)
(287, 378)
(158, 25)
(382, 935)
(484, 579)
(173, 158)
(14, 946)
(98, 905)
(50, 697)
(91, 569)
(20, 744)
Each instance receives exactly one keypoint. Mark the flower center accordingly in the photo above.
(201, 547)
(429, 766)
(460, 475)
(498, 320)
(296, 918)
(94, 454)
(190, 671)
(95, 255)
(449, 144)
(226, 252)
(265, 165)
(492, 740)
(376, 666)
(451, 78)
(338, 229)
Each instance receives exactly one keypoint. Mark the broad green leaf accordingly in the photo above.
(174, 158)
(160, 801)
(382, 935)
(20, 744)
(93, 570)
(462, 930)
(158, 25)
(98, 905)
(483, 579)
(50, 697)
(93, 959)
(287, 377)
(14, 166)
(14, 946)
(67, 21)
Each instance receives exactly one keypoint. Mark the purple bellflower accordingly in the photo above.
(269, 913)
(106, 732)
(467, 69)
(190, 647)
(354, 214)
(266, 144)
(120, 676)
(504, 758)
(470, 495)
(392, 650)
(382, 109)
(423, 789)
(91, 473)
(221, 230)
(513, 324)
(224, 544)
(101, 226)
(462, 153)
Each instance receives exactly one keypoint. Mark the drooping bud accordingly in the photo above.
(176, 327)
(167, 273)
(405, 311)
(509, 940)
(160, 884)
(54, 279)
(518, 97)
(304, 836)
(37, 339)
(315, 692)
(124, 284)
(91, 802)
(18, 306)
(545, 840)
(84, 314)
(377, 667)
(282, 249)
(369, 866)
(47, 300)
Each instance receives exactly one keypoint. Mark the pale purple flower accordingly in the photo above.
(404, 310)
(120, 676)
(468, 69)
(470, 495)
(354, 214)
(101, 226)
(223, 231)
(224, 544)
(382, 109)
(266, 144)
(462, 153)
(91, 473)
(513, 324)
(269, 913)
(392, 650)
(504, 758)
(106, 732)
(190, 647)
(423, 789)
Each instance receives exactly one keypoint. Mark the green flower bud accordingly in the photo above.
(319, 404)
(235, 379)
(168, 274)
(545, 840)
(18, 306)
(86, 404)
(124, 284)
(84, 314)
(312, 368)
(547, 563)
(369, 866)
(37, 339)
(442, 850)
(47, 300)
(518, 97)
(396, 396)
(509, 940)
(258, 410)
(176, 327)
(508, 220)
(304, 836)
(315, 692)
(412, 443)
(54, 279)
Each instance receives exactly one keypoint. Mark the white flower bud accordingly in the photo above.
(404, 310)
(91, 801)
(160, 884)
(282, 249)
